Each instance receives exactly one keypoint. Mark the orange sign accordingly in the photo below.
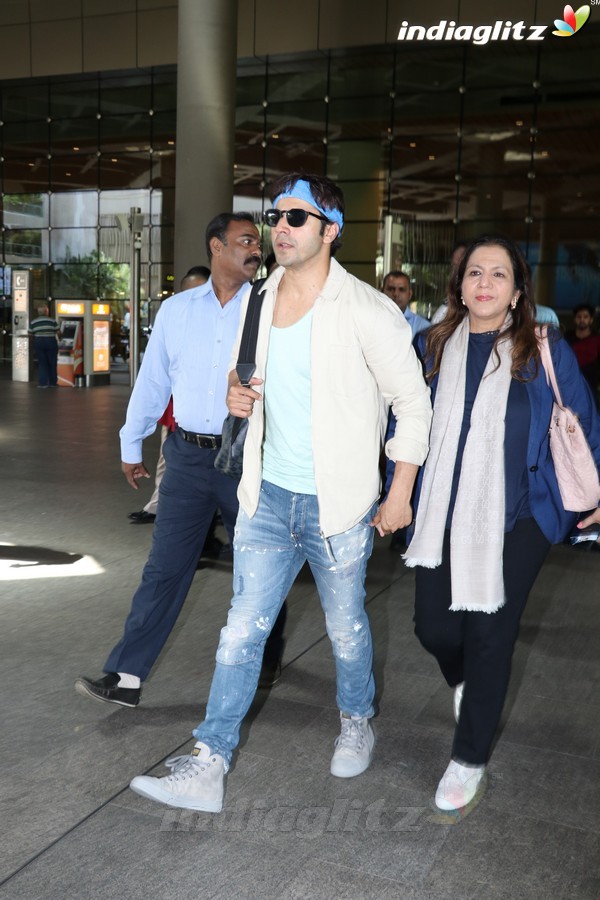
(101, 346)
(101, 309)
(70, 309)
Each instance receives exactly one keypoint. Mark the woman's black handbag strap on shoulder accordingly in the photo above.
(229, 458)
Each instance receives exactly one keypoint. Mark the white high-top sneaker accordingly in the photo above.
(196, 782)
(353, 747)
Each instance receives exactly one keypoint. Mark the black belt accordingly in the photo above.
(204, 441)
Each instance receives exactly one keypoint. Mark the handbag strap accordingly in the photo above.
(246, 363)
(549, 365)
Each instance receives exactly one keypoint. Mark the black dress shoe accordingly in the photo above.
(107, 690)
(141, 518)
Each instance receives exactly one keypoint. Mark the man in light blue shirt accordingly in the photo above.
(188, 357)
(396, 286)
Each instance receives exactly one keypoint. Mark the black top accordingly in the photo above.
(518, 415)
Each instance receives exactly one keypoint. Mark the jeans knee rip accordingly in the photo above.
(237, 645)
(349, 646)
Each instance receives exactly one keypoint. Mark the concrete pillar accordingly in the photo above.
(359, 161)
(206, 77)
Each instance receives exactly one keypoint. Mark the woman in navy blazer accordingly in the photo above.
(544, 496)
(487, 501)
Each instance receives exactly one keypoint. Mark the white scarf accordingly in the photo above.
(477, 534)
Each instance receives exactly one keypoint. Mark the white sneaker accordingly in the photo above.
(458, 695)
(353, 747)
(458, 786)
(195, 782)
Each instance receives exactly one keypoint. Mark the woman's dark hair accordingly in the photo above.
(325, 191)
(526, 354)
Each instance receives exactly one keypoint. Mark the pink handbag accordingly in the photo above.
(574, 465)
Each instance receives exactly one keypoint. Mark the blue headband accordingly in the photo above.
(302, 191)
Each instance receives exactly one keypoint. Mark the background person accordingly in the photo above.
(488, 500)
(545, 315)
(44, 329)
(586, 346)
(396, 286)
(196, 276)
(458, 251)
(187, 357)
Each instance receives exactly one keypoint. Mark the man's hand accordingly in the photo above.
(391, 516)
(396, 510)
(241, 400)
(133, 471)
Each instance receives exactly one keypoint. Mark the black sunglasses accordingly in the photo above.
(296, 218)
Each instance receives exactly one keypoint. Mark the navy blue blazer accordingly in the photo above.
(544, 496)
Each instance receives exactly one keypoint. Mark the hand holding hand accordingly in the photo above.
(391, 516)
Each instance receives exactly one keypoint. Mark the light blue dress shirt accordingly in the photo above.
(188, 356)
(417, 323)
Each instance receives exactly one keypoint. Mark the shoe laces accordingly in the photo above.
(185, 767)
(352, 735)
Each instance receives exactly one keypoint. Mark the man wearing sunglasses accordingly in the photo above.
(332, 355)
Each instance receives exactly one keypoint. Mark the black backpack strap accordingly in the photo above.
(246, 363)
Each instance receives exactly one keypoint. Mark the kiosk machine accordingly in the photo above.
(83, 343)
(21, 362)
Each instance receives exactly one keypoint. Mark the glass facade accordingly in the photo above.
(442, 143)
(429, 143)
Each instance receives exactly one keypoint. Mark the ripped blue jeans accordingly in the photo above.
(269, 551)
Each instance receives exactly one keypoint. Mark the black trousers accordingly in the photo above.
(477, 647)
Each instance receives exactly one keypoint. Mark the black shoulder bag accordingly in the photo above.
(230, 456)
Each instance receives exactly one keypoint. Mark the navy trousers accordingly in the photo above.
(46, 351)
(190, 493)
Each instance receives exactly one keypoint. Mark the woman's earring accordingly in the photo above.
(513, 303)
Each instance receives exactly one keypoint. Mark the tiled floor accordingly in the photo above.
(72, 829)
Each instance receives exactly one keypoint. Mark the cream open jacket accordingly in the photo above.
(362, 361)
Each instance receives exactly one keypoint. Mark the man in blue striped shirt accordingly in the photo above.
(44, 329)
(188, 356)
